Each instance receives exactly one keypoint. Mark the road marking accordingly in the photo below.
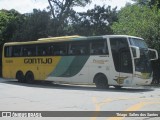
(105, 101)
(98, 105)
(134, 107)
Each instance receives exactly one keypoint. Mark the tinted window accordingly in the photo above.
(79, 48)
(16, 51)
(8, 51)
(44, 49)
(29, 50)
(60, 49)
(13, 51)
(121, 55)
(99, 47)
(93, 47)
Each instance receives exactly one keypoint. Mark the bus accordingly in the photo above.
(108, 60)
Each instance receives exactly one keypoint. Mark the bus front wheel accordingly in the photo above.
(117, 87)
(29, 77)
(101, 81)
(20, 77)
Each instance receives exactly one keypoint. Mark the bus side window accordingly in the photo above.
(8, 51)
(60, 49)
(16, 51)
(24, 52)
(99, 47)
(42, 50)
(79, 48)
(29, 50)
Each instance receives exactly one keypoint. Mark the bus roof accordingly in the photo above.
(67, 38)
(122, 36)
(60, 38)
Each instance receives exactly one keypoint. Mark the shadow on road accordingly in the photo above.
(50, 85)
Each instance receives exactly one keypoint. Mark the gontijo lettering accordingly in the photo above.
(38, 60)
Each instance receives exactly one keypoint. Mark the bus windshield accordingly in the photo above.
(138, 43)
(143, 63)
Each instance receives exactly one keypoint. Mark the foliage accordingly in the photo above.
(33, 27)
(150, 3)
(60, 10)
(96, 21)
(8, 22)
(140, 21)
(60, 20)
(155, 3)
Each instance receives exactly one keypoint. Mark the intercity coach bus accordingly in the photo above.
(109, 60)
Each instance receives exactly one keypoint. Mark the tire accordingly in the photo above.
(29, 77)
(101, 81)
(20, 77)
(118, 87)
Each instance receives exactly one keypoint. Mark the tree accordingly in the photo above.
(155, 2)
(140, 21)
(149, 3)
(9, 21)
(96, 21)
(60, 10)
(33, 27)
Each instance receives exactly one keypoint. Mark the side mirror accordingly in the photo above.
(135, 52)
(153, 54)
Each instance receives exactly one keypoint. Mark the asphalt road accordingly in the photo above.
(16, 96)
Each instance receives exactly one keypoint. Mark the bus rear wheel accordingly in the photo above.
(29, 77)
(101, 81)
(20, 77)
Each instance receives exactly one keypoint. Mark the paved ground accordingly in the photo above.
(16, 96)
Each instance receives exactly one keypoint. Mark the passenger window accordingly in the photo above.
(8, 51)
(43, 50)
(99, 47)
(60, 49)
(79, 48)
(29, 50)
(16, 52)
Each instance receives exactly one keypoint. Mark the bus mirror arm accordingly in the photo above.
(135, 52)
(153, 54)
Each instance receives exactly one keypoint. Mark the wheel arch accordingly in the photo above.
(18, 72)
(29, 71)
(99, 74)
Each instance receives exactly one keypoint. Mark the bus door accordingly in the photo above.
(122, 60)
